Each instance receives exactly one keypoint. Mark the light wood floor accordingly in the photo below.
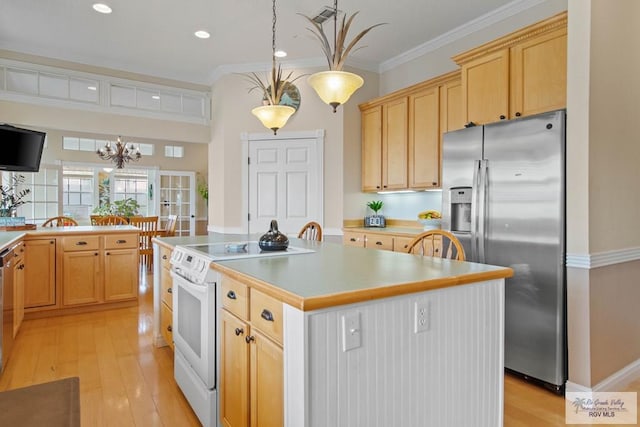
(126, 381)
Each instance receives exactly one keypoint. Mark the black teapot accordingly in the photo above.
(273, 240)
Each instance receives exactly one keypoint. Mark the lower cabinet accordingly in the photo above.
(18, 287)
(40, 273)
(166, 305)
(97, 269)
(251, 359)
(381, 240)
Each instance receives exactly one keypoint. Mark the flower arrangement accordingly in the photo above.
(337, 57)
(11, 196)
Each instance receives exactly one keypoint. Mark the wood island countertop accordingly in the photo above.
(335, 274)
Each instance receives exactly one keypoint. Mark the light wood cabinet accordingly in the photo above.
(521, 74)
(81, 283)
(372, 149)
(166, 285)
(424, 138)
(251, 358)
(40, 273)
(354, 238)
(384, 240)
(401, 244)
(99, 269)
(18, 287)
(379, 241)
(402, 134)
(394, 144)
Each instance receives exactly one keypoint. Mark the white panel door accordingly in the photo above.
(284, 184)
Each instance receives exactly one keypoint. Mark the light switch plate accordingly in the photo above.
(351, 331)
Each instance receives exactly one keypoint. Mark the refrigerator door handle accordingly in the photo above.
(475, 211)
(482, 208)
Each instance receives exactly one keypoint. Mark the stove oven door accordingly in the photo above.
(194, 326)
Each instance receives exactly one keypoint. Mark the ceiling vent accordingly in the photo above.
(327, 12)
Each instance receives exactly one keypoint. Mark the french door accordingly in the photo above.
(177, 196)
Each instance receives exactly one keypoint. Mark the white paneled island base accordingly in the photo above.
(451, 374)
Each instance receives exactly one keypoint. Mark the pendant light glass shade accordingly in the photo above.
(335, 87)
(273, 116)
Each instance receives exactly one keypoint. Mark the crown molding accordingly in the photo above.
(464, 30)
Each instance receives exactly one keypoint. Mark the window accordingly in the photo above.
(88, 144)
(134, 185)
(173, 151)
(43, 199)
(77, 193)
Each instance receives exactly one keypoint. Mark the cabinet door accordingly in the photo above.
(40, 273)
(166, 324)
(81, 277)
(267, 382)
(485, 85)
(372, 149)
(120, 274)
(424, 139)
(539, 74)
(394, 144)
(451, 111)
(234, 371)
(166, 284)
(18, 293)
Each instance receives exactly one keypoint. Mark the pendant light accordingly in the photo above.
(336, 86)
(273, 116)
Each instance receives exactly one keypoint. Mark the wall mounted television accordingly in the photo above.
(21, 149)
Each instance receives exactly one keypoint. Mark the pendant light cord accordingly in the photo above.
(335, 26)
(273, 38)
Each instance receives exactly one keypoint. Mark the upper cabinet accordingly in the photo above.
(402, 133)
(521, 74)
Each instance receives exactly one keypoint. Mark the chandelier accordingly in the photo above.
(272, 115)
(120, 154)
(336, 86)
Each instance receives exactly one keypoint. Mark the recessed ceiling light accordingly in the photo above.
(102, 8)
(155, 96)
(202, 34)
(92, 88)
(280, 53)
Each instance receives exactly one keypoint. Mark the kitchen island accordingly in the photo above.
(355, 337)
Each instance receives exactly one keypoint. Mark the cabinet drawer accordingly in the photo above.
(80, 243)
(166, 321)
(121, 241)
(401, 244)
(266, 314)
(166, 282)
(235, 297)
(353, 239)
(165, 257)
(377, 241)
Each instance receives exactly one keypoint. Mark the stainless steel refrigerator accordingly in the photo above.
(503, 196)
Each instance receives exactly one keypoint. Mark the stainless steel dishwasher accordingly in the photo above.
(6, 305)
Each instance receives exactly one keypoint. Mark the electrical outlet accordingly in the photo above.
(422, 320)
(351, 331)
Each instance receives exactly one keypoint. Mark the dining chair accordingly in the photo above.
(170, 226)
(437, 243)
(60, 221)
(311, 231)
(148, 226)
(111, 220)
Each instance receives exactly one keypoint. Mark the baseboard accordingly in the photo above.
(616, 382)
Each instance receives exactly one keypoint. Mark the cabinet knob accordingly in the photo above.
(169, 328)
(21, 267)
(169, 290)
(518, 114)
(434, 183)
(353, 239)
(502, 117)
(469, 125)
(81, 243)
(164, 257)
(267, 315)
(379, 243)
(249, 338)
(377, 186)
(239, 331)
(108, 253)
(52, 242)
(121, 241)
(231, 295)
